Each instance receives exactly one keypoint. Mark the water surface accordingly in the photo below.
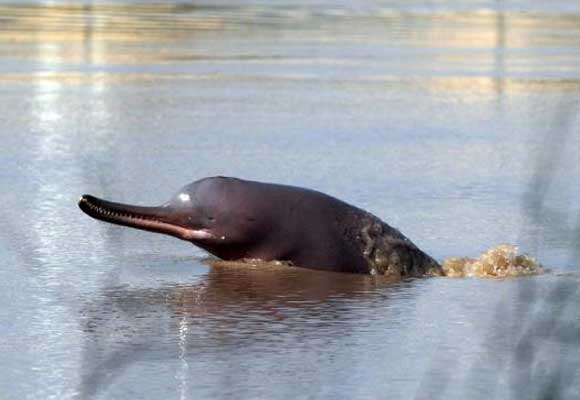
(455, 123)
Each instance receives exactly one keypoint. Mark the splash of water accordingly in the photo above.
(498, 262)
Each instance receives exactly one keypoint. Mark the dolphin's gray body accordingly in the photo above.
(235, 219)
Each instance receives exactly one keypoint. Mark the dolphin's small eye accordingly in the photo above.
(211, 219)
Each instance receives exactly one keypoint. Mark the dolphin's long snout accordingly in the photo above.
(160, 219)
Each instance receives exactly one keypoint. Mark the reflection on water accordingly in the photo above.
(438, 117)
(232, 309)
(295, 41)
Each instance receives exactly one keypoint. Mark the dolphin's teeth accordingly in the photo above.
(116, 214)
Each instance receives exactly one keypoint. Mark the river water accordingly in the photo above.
(456, 123)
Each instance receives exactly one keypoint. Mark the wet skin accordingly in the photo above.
(235, 219)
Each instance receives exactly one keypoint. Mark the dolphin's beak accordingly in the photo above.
(154, 219)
